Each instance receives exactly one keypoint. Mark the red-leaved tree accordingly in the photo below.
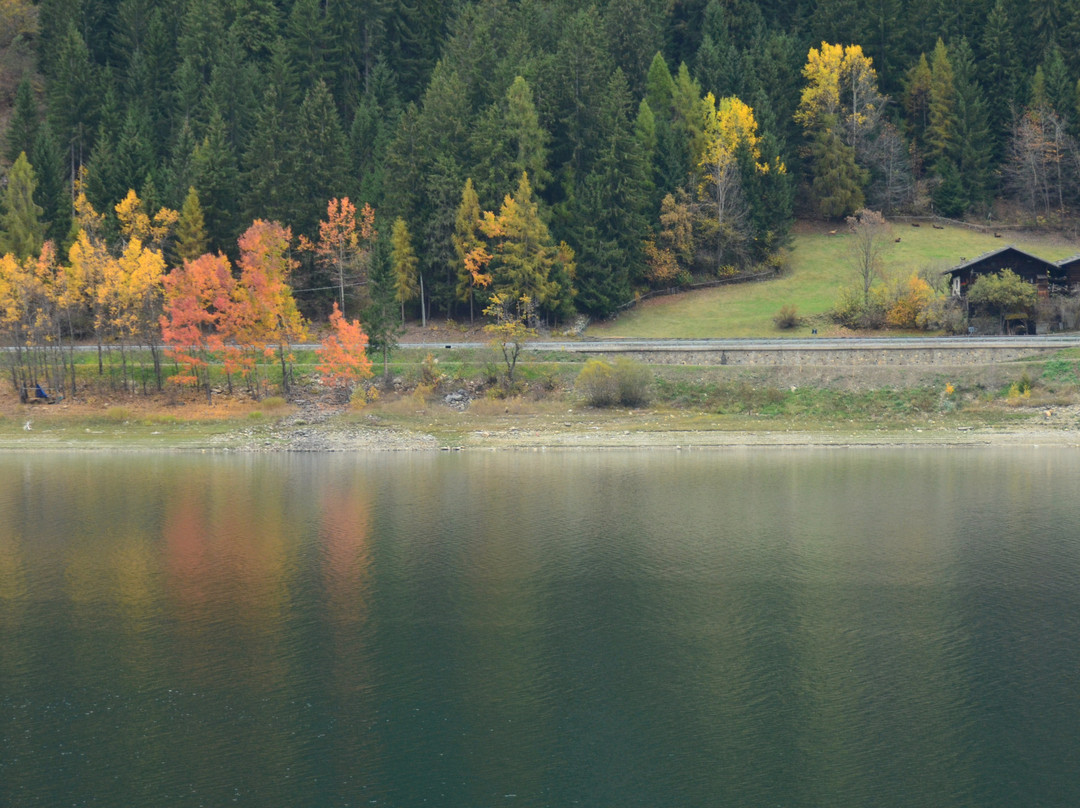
(343, 359)
(198, 299)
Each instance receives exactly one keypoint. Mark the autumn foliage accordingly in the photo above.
(343, 359)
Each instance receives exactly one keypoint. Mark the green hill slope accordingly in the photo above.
(819, 268)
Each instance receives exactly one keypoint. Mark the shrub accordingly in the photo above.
(787, 317)
(632, 379)
(597, 384)
(604, 385)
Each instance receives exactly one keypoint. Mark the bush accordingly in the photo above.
(603, 385)
(632, 379)
(787, 317)
(597, 384)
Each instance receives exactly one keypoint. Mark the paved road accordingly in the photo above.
(1051, 341)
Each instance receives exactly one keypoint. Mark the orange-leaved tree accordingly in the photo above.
(264, 316)
(198, 298)
(344, 239)
(343, 359)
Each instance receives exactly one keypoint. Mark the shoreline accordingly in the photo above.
(330, 434)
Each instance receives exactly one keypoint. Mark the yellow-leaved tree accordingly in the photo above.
(731, 131)
(840, 110)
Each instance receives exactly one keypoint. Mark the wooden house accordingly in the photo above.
(1046, 275)
(1069, 280)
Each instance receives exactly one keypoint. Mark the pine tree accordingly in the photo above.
(999, 73)
(917, 105)
(215, 174)
(403, 260)
(941, 132)
(191, 238)
(71, 95)
(837, 181)
(319, 155)
(471, 250)
(53, 192)
(380, 318)
(22, 131)
(21, 231)
(611, 220)
(972, 147)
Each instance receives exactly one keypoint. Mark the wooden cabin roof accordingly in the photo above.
(995, 259)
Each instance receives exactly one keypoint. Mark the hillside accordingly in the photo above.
(818, 268)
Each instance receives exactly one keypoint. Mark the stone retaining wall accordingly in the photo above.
(799, 356)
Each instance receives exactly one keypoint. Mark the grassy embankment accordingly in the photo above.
(817, 271)
(684, 399)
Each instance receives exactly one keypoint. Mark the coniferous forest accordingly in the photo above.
(572, 153)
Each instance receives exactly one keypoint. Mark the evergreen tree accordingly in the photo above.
(307, 36)
(371, 134)
(191, 238)
(837, 181)
(23, 129)
(214, 169)
(971, 150)
(770, 198)
(320, 157)
(472, 255)
(53, 192)
(21, 230)
(272, 161)
(917, 106)
(950, 196)
(999, 72)
(634, 31)
(135, 159)
(71, 94)
(718, 65)
(942, 129)
(403, 259)
(380, 318)
(611, 220)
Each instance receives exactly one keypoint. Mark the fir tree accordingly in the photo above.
(837, 181)
(215, 174)
(191, 238)
(21, 230)
(319, 155)
(23, 129)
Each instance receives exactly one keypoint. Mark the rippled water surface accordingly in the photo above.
(811, 628)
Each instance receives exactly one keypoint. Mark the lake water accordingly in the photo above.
(731, 628)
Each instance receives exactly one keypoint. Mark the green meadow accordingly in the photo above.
(819, 267)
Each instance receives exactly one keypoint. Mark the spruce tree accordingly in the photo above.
(23, 129)
(191, 238)
(21, 230)
(972, 147)
(380, 317)
(215, 173)
(611, 220)
(837, 180)
(941, 132)
(319, 157)
(53, 192)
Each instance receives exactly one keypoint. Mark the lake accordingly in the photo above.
(859, 627)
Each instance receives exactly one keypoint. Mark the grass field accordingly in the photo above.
(817, 271)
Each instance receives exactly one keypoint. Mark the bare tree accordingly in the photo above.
(1039, 170)
(870, 237)
(893, 180)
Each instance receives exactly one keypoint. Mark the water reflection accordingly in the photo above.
(889, 628)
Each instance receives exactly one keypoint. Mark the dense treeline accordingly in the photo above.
(574, 152)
